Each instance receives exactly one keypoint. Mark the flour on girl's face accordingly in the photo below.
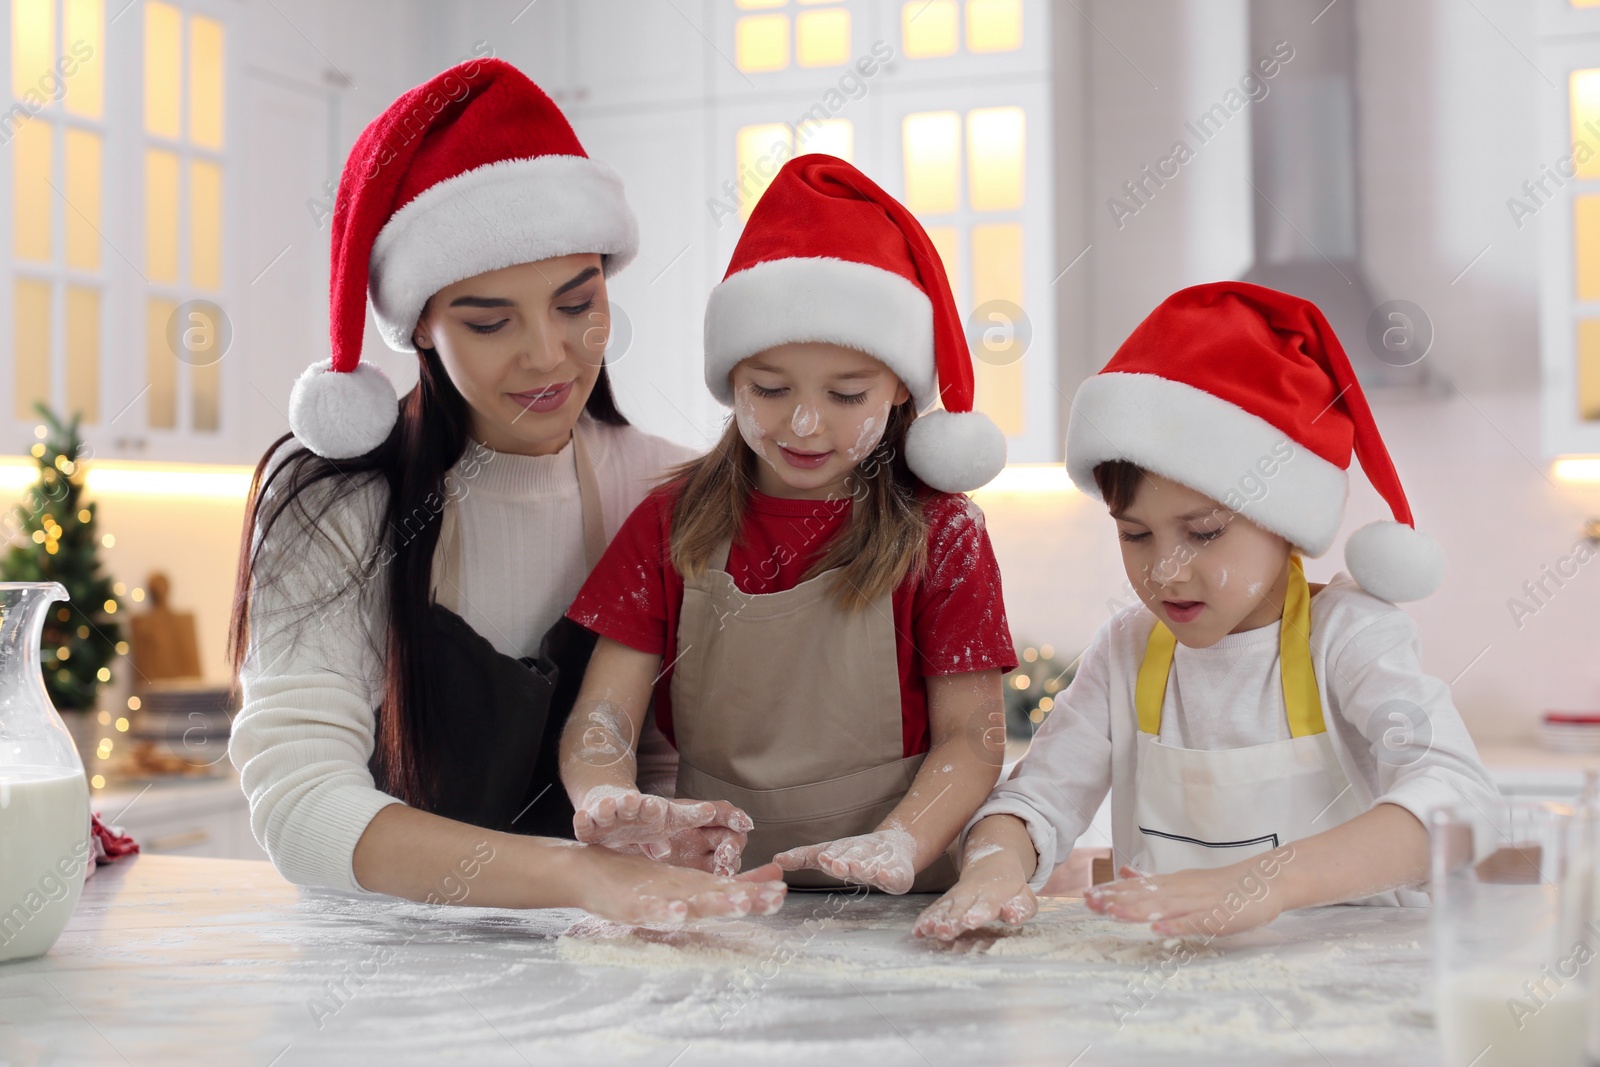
(744, 413)
(870, 433)
(805, 420)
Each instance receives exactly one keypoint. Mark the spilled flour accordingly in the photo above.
(1356, 990)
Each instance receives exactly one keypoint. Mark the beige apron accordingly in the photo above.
(787, 705)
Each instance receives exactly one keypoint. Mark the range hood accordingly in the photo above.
(1304, 166)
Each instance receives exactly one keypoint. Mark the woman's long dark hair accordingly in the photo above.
(428, 438)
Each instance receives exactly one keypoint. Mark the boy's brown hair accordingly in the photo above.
(1118, 480)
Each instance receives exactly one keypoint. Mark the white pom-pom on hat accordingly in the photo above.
(955, 451)
(342, 414)
(1394, 561)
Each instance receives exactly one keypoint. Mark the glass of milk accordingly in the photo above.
(44, 799)
(1515, 939)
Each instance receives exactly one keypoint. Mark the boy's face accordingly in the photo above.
(811, 412)
(1201, 569)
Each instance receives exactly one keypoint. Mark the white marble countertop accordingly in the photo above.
(177, 960)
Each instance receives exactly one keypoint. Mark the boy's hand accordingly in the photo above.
(1187, 903)
(699, 833)
(990, 888)
(884, 859)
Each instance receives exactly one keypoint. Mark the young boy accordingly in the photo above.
(1268, 744)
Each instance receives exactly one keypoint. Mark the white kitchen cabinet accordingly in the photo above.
(183, 817)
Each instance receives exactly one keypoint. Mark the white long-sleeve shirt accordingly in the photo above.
(313, 674)
(1365, 653)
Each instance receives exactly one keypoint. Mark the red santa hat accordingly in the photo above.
(1207, 391)
(827, 256)
(474, 170)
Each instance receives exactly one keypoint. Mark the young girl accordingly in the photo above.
(1268, 744)
(823, 632)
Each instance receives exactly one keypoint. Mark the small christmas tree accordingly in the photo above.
(80, 639)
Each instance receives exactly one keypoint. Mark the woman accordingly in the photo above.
(401, 564)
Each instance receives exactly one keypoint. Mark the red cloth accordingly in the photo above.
(951, 620)
(108, 843)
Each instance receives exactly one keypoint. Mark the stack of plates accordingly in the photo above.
(1570, 731)
(174, 710)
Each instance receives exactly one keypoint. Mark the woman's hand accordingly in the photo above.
(884, 859)
(990, 888)
(704, 834)
(631, 889)
(1204, 903)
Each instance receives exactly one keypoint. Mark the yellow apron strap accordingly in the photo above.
(1300, 695)
(1151, 686)
(1294, 657)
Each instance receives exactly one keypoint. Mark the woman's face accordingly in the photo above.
(811, 412)
(524, 346)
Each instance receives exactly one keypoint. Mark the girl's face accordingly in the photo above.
(1201, 569)
(811, 412)
(524, 346)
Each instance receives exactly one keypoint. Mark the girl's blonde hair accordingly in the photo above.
(885, 540)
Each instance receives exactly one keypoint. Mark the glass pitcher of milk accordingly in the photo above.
(1515, 944)
(44, 799)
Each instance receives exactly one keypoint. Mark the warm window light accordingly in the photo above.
(1584, 469)
(163, 47)
(834, 137)
(1031, 478)
(822, 38)
(757, 5)
(1588, 369)
(932, 149)
(205, 82)
(83, 27)
(994, 158)
(31, 196)
(761, 43)
(30, 338)
(929, 28)
(760, 151)
(1584, 91)
(83, 193)
(33, 31)
(123, 478)
(994, 25)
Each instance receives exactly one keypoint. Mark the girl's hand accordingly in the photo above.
(707, 835)
(884, 859)
(631, 889)
(993, 887)
(1206, 903)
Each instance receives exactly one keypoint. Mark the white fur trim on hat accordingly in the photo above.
(340, 415)
(1200, 440)
(494, 216)
(1393, 561)
(955, 451)
(819, 299)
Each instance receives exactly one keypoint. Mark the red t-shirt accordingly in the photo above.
(949, 621)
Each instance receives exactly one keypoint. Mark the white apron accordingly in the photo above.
(1210, 808)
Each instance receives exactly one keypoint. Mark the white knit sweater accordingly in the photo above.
(1365, 652)
(313, 673)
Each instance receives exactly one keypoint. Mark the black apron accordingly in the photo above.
(497, 746)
